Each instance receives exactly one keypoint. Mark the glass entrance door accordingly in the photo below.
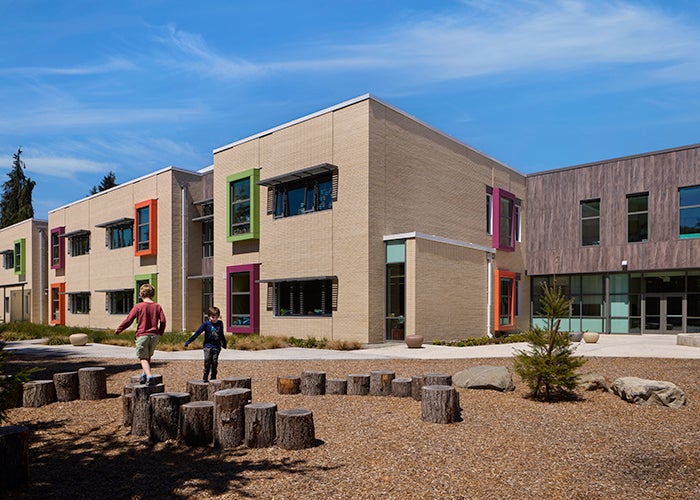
(663, 313)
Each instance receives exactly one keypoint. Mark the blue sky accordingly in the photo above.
(89, 86)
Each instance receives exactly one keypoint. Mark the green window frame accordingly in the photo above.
(20, 250)
(142, 279)
(243, 206)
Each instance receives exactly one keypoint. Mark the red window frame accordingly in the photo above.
(60, 289)
(152, 249)
(497, 310)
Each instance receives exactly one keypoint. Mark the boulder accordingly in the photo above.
(593, 382)
(497, 378)
(648, 392)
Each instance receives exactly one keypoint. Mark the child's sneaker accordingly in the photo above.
(142, 378)
(151, 381)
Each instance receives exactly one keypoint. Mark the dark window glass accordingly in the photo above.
(240, 206)
(121, 236)
(637, 218)
(689, 212)
(79, 245)
(505, 227)
(590, 222)
(240, 298)
(304, 298)
(143, 226)
(300, 197)
(55, 249)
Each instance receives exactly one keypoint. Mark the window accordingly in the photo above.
(689, 198)
(145, 215)
(121, 236)
(79, 303)
(303, 298)
(20, 256)
(308, 195)
(120, 301)
(395, 320)
(590, 222)
(80, 245)
(242, 215)
(242, 298)
(489, 211)
(9, 259)
(504, 311)
(503, 209)
(637, 217)
(207, 296)
(207, 238)
(58, 303)
(145, 279)
(517, 221)
(57, 248)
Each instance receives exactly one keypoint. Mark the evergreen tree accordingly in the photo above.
(548, 366)
(108, 181)
(16, 201)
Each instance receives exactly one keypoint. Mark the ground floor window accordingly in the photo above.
(120, 302)
(303, 298)
(58, 301)
(207, 295)
(505, 304)
(79, 303)
(242, 302)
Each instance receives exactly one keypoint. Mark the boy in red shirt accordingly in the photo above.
(151, 325)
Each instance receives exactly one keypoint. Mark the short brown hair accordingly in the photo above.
(213, 311)
(147, 291)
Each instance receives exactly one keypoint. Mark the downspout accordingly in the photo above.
(489, 292)
(183, 215)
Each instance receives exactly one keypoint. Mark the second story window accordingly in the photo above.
(637, 217)
(503, 232)
(689, 212)
(242, 205)
(80, 245)
(590, 223)
(57, 248)
(121, 236)
(146, 217)
(8, 259)
(308, 195)
(207, 238)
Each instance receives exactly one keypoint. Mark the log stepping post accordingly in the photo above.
(288, 385)
(313, 383)
(380, 382)
(38, 393)
(214, 385)
(14, 457)
(260, 425)
(198, 389)
(156, 377)
(336, 386)
(66, 385)
(358, 384)
(417, 383)
(165, 414)
(92, 383)
(440, 404)
(401, 387)
(197, 423)
(229, 417)
(437, 379)
(128, 404)
(236, 382)
(141, 412)
(295, 429)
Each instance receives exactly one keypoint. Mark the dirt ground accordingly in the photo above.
(505, 446)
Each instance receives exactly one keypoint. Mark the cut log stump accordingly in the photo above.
(417, 383)
(14, 457)
(437, 379)
(197, 423)
(198, 389)
(128, 404)
(358, 384)
(165, 414)
(401, 387)
(236, 382)
(38, 393)
(295, 429)
(156, 377)
(214, 385)
(141, 412)
(92, 383)
(260, 425)
(229, 417)
(336, 386)
(288, 385)
(380, 382)
(66, 385)
(440, 404)
(313, 383)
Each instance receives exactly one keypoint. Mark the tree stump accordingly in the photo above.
(401, 387)
(92, 383)
(66, 385)
(295, 429)
(440, 404)
(336, 386)
(417, 383)
(198, 389)
(358, 384)
(380, 382)
(141, 411)
(437, 379)
(165, 414)
(14, 457)
(288, 385)
(260, 424)
(214, 385)
(128, 404)
(158, 378)
(229, 417)
(236, 382)
(313, 383)
(38, 393)
(197, 423)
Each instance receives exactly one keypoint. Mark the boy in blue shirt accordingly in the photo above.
(214, 340)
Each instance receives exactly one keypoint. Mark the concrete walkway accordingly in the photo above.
(628, 346)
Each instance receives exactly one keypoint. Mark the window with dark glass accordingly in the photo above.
(504, 310)
(689, 213)
(20, 256)
(590, 222)
(120, 302)
(502, 205)
(240, 206)
(489, 214)
(239, 287)
(9, 259)
(303, 298)
(638, 217)
(207, 295)
(121, 236)
(142, 227)
(55, 249)
(505, 223)
(80, 303)
(207, 238)
(80, 245)
(308, 195)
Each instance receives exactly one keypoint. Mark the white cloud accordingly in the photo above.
(63, 166)
(113, 65)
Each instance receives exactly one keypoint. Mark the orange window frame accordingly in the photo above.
(152, 249)
(498, 311)
(60, 289)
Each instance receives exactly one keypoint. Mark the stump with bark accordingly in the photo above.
(260, 425)
(141, 413)
(198, 389)
(236, 382)
(336, 386)
(358, 384)
(401, 387)
(14, 457)
(197, 423)
(66, 385)
(214, 385)
(229, 417)
(38, 393)
(156, 377)
(288, 385)
(128, 404)
(313, 383)
(165, 414)
(440, 404)
(437, 379)
(417, 383)
(295, 429)
(380, 382)
(92, 383)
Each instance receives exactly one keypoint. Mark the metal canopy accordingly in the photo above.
(304, 173)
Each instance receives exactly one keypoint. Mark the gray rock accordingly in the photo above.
(648, 392)
(593, 382)
(485, 377)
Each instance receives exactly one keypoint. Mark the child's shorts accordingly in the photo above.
(146, 346)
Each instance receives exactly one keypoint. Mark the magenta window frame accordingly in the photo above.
(499, 193)
(253, 276)
(61, 247)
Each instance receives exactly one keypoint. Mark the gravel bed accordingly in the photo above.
(506, 446)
